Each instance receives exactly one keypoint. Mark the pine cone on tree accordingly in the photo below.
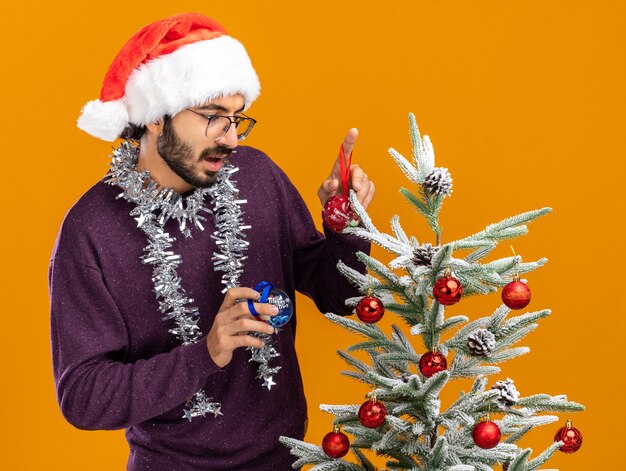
(439, 182)
(481, 342)
(508, 392)
(423, 255)
(405, 377)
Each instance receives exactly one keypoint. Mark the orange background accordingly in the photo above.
(524, 102)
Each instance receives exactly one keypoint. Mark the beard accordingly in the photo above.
(179, 157)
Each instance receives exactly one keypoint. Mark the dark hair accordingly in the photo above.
(133, 132)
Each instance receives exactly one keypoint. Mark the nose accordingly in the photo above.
(230, 139)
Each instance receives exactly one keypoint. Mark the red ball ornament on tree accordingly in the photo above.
(431, 363)
(337, 213)
(571, 437)
(370, 309)
(335, 444)
(448, 290)
(486, 434)
(516, 295)
(372, 413)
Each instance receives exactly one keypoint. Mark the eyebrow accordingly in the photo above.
(216, 107)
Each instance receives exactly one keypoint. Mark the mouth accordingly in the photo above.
(213, 158)
(213, 164)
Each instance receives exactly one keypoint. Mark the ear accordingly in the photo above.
(155, 128)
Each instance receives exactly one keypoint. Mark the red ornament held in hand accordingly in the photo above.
(431, 363)
(337, 213)
(372, 413)
(571, 437)
(370, 309)
(486, 434)
(516, 295)
(335, 444)
(448, 290)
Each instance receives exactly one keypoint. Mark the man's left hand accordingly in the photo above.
(359, 181)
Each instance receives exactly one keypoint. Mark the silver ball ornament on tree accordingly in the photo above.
(481, 342)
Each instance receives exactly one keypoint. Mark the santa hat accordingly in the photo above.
(169, 65)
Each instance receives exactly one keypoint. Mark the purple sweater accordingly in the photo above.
(115, 364)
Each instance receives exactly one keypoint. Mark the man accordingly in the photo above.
(189, 215)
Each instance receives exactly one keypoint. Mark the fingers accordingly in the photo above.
(247, 341)
(233, 323)
(363, 187)
(370, 195)
(357, 175)
(221, 347)
(330, 186)
(327, 189)
(234, 294)
(245, 325)
(348, 145)
(349, 141)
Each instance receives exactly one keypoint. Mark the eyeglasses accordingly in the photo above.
(219, 125)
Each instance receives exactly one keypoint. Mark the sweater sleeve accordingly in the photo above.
(316, 255)
(96, 388)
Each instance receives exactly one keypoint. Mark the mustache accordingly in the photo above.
(220, 152)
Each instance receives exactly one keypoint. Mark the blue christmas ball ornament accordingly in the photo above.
(278, 298)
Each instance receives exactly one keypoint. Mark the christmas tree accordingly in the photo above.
(403, 418)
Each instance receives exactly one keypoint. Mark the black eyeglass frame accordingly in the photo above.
(231, 120)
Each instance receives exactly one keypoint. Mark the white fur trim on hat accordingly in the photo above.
(189, 76)
(105, 120)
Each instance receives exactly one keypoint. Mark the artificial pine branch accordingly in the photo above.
(520, 461)
(543, 457)
(546, 403)
(367, 464)
(423, 153)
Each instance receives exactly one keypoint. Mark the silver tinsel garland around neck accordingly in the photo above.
(154, 206)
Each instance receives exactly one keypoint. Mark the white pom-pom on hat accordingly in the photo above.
(105, 120)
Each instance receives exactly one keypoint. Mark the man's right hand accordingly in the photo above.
(233, 322)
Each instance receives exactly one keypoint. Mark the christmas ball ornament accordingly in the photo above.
(337, 213)
(278, 298)
(431, 363)
(370, 309)
(335, 444)
(372, 413)
(486, 434)
(570, 436)
(448, 290)
(516, 295)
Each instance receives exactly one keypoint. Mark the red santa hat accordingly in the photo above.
(169, 65)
